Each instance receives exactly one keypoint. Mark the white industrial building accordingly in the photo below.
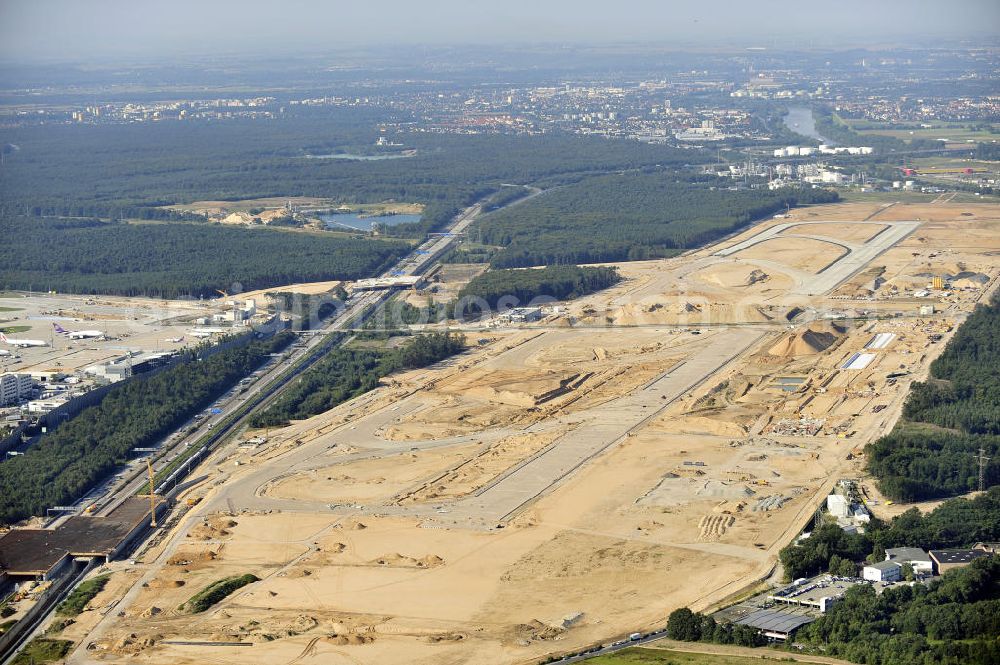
(798, 151)
(838, 505)
(883, 571)
(15, 387)
(918, 559)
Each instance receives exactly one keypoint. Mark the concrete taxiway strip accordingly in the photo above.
(857, 257)
(603, 427)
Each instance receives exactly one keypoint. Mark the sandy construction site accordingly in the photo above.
(571, 481)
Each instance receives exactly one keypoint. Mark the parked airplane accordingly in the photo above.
(4, 352)
(22, 342)
(77, 334)
(175, 340)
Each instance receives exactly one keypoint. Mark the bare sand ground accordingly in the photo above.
(858, 233)
(689, 508)
(804, 254)
(305, 288)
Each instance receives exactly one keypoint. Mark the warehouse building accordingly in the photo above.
(777, 624)
(918, 559)
(883, 571)
(945, 560)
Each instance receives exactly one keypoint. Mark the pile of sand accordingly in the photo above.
(396, 559)
(814, 339)
(352, 639)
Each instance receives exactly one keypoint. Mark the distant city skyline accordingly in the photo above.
(69, 30)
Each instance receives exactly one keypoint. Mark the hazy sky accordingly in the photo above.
(82, 30)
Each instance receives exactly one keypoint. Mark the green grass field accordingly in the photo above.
(42, 650)
(13, 330)
(886, 197)
(955, 131)
(82, 595)
(641, 656)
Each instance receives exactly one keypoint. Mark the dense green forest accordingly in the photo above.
(626, 217)
(513, 288)
(955, 523)
(137, 413)
(954, 620)
(127, 170)
(931, 452)
(504, 197)
(172, 260)
(347, 372)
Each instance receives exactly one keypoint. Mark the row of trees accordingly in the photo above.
(955, 523)
(688, 626)
(628, 217)
(932, 452)
(512, 288)
(139, 412)
(173, 260)
(347, 372)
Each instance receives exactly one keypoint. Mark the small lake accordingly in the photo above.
(800, 120)
(361, 158)
(354, 221)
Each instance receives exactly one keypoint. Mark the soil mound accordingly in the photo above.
(813, 339)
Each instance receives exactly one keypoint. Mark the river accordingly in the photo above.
(800, 120)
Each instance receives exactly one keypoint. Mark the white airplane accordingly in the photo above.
(77, 334)
(4, 352)
(22, 342)
(175, 340)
